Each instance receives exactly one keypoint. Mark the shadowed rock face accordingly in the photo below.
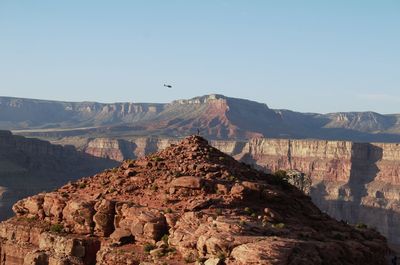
(29, 166)
(212, 208)
(356, 182)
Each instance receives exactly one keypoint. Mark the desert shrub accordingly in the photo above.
(361, 226)
(279, 178)
(165, 238)
(57, 228)
(157, 159)
(221, 256)
(148, 247)
(248, 210)
(279, 226)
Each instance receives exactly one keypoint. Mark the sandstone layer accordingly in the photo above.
(355, 182)
(188, 203)
(216, 116)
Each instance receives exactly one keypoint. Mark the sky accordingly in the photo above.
(311, 56)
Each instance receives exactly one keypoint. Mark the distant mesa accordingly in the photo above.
(218, 117)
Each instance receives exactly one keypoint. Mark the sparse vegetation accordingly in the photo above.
(157, 159)
(148, 247)
(361, 226)
(279, 178)
(165, 238)
(82, 185)
(278, 226)
(57, 228)
(189, 258)
(232, 178)
(28, 219)
(221, 256)
(248, 211)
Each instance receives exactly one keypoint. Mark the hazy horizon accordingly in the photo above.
(311, 56)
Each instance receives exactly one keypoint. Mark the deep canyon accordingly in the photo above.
(355, 182)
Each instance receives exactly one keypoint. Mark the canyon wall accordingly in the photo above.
(355, 182)
(29, 166)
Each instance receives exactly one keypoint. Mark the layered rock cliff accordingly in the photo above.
(355, 182)
(216, 116)
(189, 203)
(29, 166)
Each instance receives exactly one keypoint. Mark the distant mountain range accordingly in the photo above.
(215, 116)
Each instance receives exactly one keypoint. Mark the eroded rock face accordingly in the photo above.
(355, 182)
(187, 203)
(358, 183)
(29, 166)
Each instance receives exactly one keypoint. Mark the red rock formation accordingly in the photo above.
(358, 183)
(188, 202)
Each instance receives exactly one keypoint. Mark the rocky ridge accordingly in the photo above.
(217, 116)
(354, 182)
(185, 204)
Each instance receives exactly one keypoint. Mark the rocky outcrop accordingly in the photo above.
(188, 203)
(355, 182)
(29, 166)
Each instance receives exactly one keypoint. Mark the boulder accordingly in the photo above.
(187, 182)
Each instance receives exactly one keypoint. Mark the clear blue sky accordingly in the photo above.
(317, 56)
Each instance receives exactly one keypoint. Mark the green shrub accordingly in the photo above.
(148, 247)
(232, 178)
(279, 226)
(157, 159)
(165, 238)
(221, 256)
(57, 228)
(248, 210)
(361, 226)
(279, 178)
